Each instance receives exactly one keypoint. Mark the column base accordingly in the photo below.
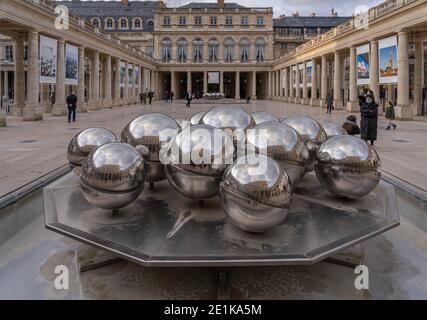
(59, 109)
(322, 103)
(290, 99)
(237, 98)
(46, 106)
(117, 103)
(338, 105)
(81, 107)
(297, 100)
(403, 112)
(314, 102)
(353, 106)
(107, 104)
(2, 118)
(93, 105)
(305, 101)
(32, 113)
(253, 97)
(16, 110)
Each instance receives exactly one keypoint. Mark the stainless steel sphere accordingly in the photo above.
(195, 119)
(333, 129)
(85, 141)
(283, 144)
(228, 117)
(145, 131)
(312, 133)
(113, 176)
(198, 161)
(347, 166)
(183, 123)
(255, 197)
(263, 116)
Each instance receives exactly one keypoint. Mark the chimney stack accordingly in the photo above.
(221, 3)
(125, 2)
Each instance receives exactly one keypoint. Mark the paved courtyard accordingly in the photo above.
(31, 149)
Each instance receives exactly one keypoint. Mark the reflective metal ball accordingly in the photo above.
(113, 176)
(263, 116)
(228, 117)
(255, 196)
(85, 141)
(183, 123)
(283, 144)
(195, 119)
(198, 161)
(333, 129)
(146, 131)
(312, 133)
(347, 166)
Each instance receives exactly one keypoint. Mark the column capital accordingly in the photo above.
(402, 33)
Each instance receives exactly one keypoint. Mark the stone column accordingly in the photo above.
(125, 99)
(352, 104)
(19, 92)
(297, 87)
(32, 110)
(285, 84)
(254, 95)
(60, 108)
(418, 81)
(81, 101)
(403, 109)
(291, 84)
(133, 84)
(5, 83)
(273, 85)
(374, 71)
(45, 99)
(338, 78)
(314, 99)
(221, 82)
(304, 99)
(93, 103)
(189, 81)
(237, 85)
(205, 81)
(108, 102)
(156, 81)
(279, 84)
(269, 84)
(117, 100)
(323, 82)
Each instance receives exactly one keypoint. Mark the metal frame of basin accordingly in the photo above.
(162, 228)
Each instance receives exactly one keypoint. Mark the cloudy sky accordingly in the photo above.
(304, 7)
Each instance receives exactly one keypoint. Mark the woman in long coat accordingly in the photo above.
(369, 121)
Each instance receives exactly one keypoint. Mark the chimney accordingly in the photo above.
(125, 2)
(221, 3)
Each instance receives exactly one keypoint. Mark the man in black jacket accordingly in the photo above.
(72, 105)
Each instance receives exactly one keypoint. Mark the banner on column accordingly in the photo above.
(294, 76)
(387, 54)
(122, 74)
(131, 74)
(137, 77)
(300, 70)
(48, 57)
(362, 61)
(309, 73)
(213, 77)
(71, 64)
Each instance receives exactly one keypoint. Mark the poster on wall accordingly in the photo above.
(71, 64)
(122, 74)
(362, 60)
(213, 77)
(48, 55)
(301, 71)
(387, 53)
(137, 77)
(294, 76)
(309, 73)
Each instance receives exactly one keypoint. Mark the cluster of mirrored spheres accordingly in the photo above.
(255, 188)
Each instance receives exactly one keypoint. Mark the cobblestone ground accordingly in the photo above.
(31, 149)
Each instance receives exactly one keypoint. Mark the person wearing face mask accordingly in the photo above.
(369, 114)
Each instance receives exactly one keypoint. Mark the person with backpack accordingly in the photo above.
(390, 115)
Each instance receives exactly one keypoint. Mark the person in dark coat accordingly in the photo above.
(369, 113)
(350, 125)
(171, 96)
(329, 103)
(72, 105)
(150, 96)
(390, 115)
(188, 97)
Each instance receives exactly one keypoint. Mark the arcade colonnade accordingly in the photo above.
(291, 83)
(98, 85)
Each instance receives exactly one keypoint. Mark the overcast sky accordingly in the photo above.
(304, 7)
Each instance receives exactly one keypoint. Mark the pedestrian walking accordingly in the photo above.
(166, 96)
(171, 96)
(72, 105)
(141, 97)
(329, 103)
(150, 96)
(188, 97)
(369, 113)
(389, 115)
(350, 125)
